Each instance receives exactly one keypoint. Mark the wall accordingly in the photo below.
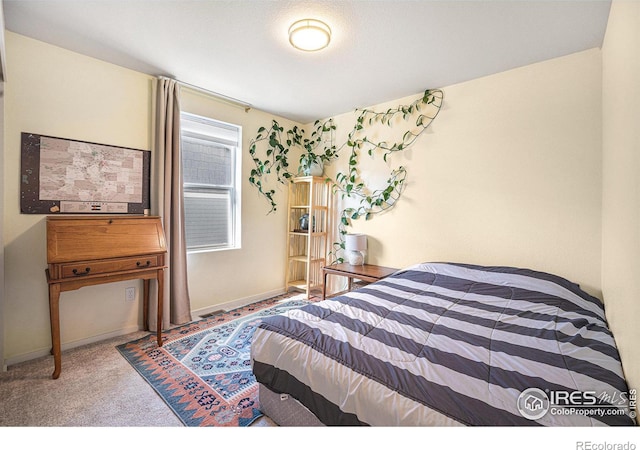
(621, 183)
(60, 93)
(509, 174)
(2, 338)
(231, 278)
(2, 79)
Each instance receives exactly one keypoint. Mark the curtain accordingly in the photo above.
(177, 306)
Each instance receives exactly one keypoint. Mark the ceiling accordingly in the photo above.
(380, 50)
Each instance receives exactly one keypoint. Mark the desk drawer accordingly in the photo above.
(83, 268)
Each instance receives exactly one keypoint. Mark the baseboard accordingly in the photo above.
(68, 345)
(238, 303)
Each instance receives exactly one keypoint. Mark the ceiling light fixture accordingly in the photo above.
(309, 35)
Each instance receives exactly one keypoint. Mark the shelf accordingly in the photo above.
(303, 233)
(302, 284)
(305, 259)
(307, 249)
(315, 207)
(309, 179)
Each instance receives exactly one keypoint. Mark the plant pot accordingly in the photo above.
(315, 169)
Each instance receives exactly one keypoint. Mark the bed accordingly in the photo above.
(441, 344)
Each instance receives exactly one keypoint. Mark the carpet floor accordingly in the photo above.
(106, 393)
(203, 369)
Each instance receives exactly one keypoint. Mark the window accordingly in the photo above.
(211, 155)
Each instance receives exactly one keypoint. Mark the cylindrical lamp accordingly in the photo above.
(355, 245)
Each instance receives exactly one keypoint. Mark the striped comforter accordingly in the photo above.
(447, 344)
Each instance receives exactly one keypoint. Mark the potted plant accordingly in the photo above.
(315, 153)
(312, 163)
(319, 150)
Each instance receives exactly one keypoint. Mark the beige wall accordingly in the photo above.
(510, 174)
(60, 93)
(621, 185)
(234, 277)
(2, 338)
(3, 70)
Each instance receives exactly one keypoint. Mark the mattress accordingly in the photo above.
(440, 344)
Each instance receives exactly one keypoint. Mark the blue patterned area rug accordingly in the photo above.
(203, 369)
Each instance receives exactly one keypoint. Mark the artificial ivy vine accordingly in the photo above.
(277, 153)
(320, 147)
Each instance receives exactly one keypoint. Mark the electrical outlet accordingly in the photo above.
(130, 294)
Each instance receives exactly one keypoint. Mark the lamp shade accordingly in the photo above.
(357, 242)
(309, 35)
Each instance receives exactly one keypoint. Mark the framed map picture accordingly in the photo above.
(69, 176)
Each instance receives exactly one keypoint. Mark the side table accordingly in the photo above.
(365, 272)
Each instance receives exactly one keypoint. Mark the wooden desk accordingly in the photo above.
(90, 250)
(365, 272)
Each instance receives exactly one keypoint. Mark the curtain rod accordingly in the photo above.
(221, 97)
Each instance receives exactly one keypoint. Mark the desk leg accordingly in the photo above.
(160, 305)
(324, 284)
(145, 304)
(54, 314)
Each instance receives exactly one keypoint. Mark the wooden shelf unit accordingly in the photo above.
(307, 249)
